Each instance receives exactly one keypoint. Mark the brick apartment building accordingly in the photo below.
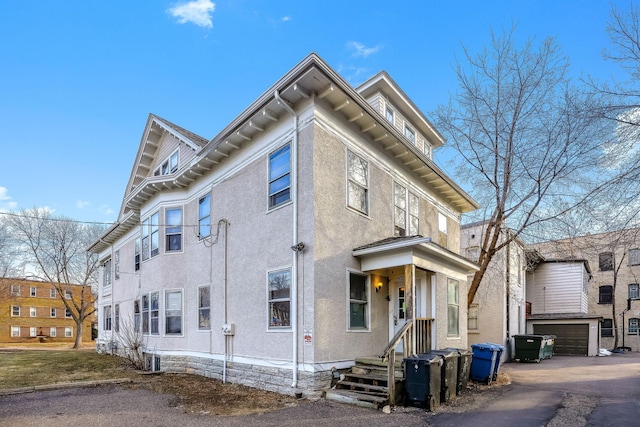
(32, 311)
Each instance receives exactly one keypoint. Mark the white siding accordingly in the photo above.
(558, 288)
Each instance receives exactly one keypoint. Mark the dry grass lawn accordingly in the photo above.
(27, 367)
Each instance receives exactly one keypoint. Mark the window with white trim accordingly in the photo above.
(53, 331)
(116, 318)
(145, 314)
(204, 216)
(173, 229)
(106, 274)
(606, 328)
(280, 176)
(410, 134)
(136, 316)
(472, 318)
(33, 291)
(68, 331)
(67, 313)
(279, 296)
(52, 312)
(150, 238)
(173, 312)
(204, 307)
(389, 114)
(453, 307)
(634, 291)
(406, 213)
(116, 265)
(15, 331)
(136, 254)
(357, 183)
(67, 294)
(15, 310)
(634, 256)
(168, 166)
(106, 321)
(52, 292)
(358, 302)
(442, 230)
(33, 312)
(15, 290)
(33, 332)
(154, 313)
(633, 326)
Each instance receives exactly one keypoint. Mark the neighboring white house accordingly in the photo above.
(498, 311)
(305, 234)
(557, 290)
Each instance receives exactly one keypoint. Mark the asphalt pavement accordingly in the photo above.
(561, 391)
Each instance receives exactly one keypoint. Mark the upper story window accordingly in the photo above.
(106, 273)
(15, 310)
(472, 321)
(406, 213)
(442, 229)
(33, 312)
(33, 291)
(52, 292)
(389, 114)
(116, 267)
(633, 326)
(410, 134)
(150, 239)
(15, 290)
(136, 255)
(473, 253)
(280, 176)
(634, 291)
(427, 149)
(170, 165)
(357, 183)
(634, 256)
(204, 216)
(279, 289)
(605, 294)
(173, 231)
(605, 261)
(67, 294)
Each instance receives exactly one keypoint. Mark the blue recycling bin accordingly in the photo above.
(485, 362)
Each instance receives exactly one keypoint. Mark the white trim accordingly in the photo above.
(349, 272)
(288, 142)
(269, 329)
(164, 313)
(348, 180)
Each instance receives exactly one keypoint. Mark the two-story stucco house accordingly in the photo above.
(308, 232)
(498, 311)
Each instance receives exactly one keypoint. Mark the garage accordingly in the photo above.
(570, 338)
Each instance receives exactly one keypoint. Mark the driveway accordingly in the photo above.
(562, 391)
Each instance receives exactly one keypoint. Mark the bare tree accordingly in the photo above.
(56, 248)
(522, 140)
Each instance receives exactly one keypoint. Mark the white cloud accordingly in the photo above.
(106, 210)
(360, 50)
(286, 18)
(197, 12)
(6, 204)
(81, 204)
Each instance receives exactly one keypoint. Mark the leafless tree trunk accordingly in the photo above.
(56, 248)
(523, 142)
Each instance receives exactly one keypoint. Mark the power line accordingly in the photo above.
(55, 219)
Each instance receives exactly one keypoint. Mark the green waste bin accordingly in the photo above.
(422, 380)
(547, 348)
(529, 348)
(464, 368)
(449, 376)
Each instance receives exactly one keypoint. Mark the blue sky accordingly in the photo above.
(79, 78)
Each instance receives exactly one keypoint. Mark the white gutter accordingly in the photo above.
(294, 243)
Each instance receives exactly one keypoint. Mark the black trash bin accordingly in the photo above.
(449, 376)
(529, 348)
(422, 380)
(464, 368)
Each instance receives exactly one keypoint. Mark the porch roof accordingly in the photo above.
(418, 250)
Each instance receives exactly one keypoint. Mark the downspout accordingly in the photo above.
(508, 305)
(294, 243)
(224, 286)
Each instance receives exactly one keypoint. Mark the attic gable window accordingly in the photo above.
(280, 176)
(168, 166)
(389, 114)
(410, 134)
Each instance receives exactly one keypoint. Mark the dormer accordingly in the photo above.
(384, 95)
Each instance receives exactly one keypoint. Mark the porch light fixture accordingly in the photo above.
(378, 286)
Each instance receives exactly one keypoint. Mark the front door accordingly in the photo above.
(397, 308)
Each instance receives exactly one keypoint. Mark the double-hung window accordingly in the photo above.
(634, 256)
(116, 265)
(357, 183)
(280, 176)
(150, 238)
(52, 292)
(633, 326)
(442, 230)
(15, 331)
(606, 328)
(145, 314)
(53, 331)
(67, 313)
(33, 331)
(15, 310)
(116, 318)
(389, 114)
(410, 134)
(136, 255)
(173, 312)
(68, 331)
(33, 312)
(204, 216)
(634, 291)
(279, 290)
(106, 324)
(136, 316)
(155, 313)
(358, 302)
(106, 273)
(15, 290)
(34, 291)
(453, 307)
(52, 312)
(204, 307)
(407, 212)
(173, 231)
(605, 294)
(605, 261)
